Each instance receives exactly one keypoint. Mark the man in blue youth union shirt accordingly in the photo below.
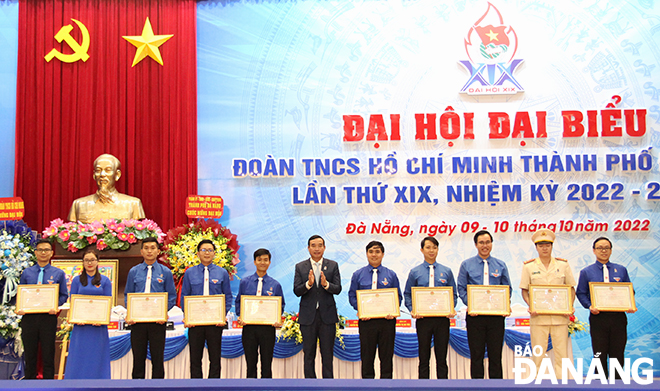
(149, 277)
(41, 328)
(484, 331)
(609, 331)
(375, 333)
(259, 338)
(431, 274)
(206, 279)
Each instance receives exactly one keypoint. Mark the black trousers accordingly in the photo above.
(436, 328)
(152, 334)
(485, 331)
(609, 335)
(377, 333)
(36, 329)
(212, 335)
(258, 341)
(325, 333)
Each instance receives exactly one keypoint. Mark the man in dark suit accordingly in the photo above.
(316, 281)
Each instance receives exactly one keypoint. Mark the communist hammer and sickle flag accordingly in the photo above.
(79, 50)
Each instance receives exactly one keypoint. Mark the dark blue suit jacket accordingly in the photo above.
(325, 297)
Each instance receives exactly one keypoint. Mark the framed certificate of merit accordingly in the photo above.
(147, 307)
(437, 301)
(90, 309)
(488, 300)
(266, 310)
(612, 296)
(37, 299)
(73, 267)
(551, 299)
(378, 303)
(204, 310)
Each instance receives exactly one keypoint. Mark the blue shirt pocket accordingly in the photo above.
(196, 281)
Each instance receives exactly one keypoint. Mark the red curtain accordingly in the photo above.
(69, 113)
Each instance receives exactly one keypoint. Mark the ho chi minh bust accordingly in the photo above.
(107, 202)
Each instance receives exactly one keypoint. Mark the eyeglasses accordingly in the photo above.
(603, 248)
(42, 250)
(90, 260)
(206, 251)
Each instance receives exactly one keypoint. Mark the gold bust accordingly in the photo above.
(107, 202)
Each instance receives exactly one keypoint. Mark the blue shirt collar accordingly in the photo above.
(481, 260)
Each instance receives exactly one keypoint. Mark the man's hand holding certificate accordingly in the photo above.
(205, 311)
(37, 299)
(378, 303)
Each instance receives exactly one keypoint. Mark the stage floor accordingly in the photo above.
(305, 385)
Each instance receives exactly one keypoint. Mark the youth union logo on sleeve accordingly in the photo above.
(491, 46)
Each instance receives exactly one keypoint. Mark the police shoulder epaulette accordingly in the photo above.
(531, 260)
(561, 259)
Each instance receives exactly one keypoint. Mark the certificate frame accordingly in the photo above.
(418, 292)
(597, 288)
(500, 290)
(247, 310)
(189, 302)
(103, 303)
(536, 292)
(159, 298)
(73, 267)
(24, 291)
(388, 297)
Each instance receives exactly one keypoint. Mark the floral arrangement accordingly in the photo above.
(64, 333)
(108, 234)
(575, 326)
(339, 327)
(16, 254)
(9, 322)
(290, 328)
(180, 249)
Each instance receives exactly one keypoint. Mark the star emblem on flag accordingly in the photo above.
(147, 44)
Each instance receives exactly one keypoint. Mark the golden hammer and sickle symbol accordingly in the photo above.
(79, 50)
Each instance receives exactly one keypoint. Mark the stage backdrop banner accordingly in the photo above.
(394, 120)
(68, 113)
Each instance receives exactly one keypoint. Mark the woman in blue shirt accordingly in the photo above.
(89, 350)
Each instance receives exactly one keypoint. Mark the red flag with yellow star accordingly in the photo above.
(490, 34)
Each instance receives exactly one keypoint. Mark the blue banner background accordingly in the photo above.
(275, 79)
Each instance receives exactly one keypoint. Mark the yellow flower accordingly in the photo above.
(182, 253)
